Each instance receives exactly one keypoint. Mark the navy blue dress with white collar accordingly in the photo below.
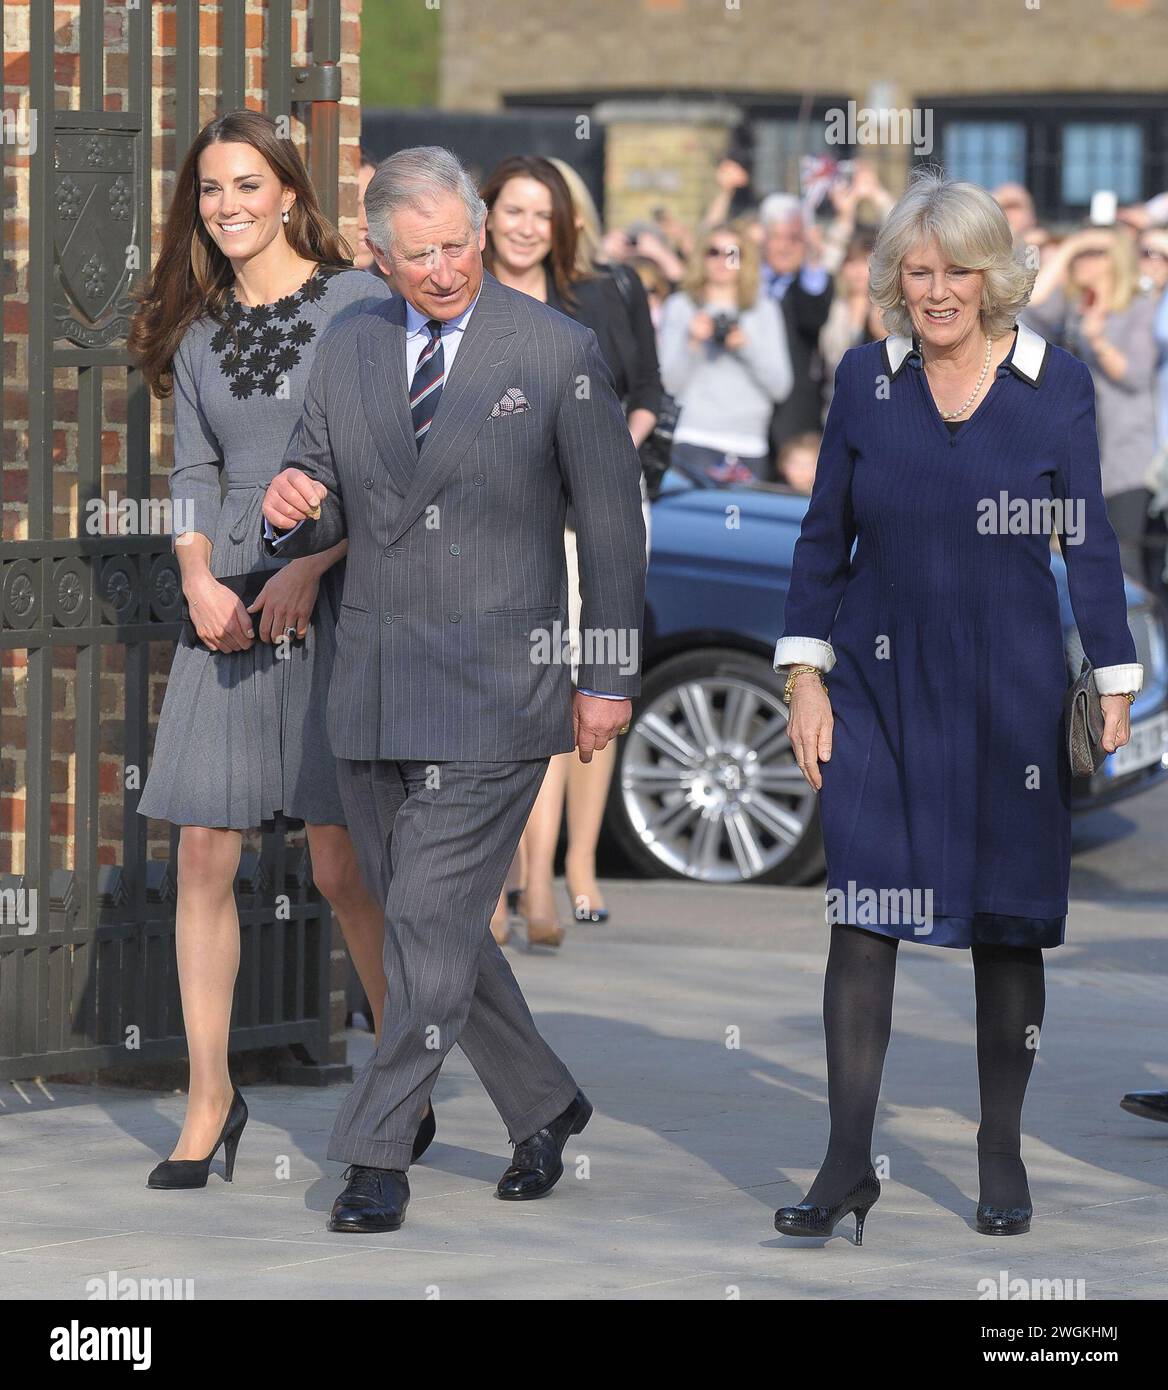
(946, 800)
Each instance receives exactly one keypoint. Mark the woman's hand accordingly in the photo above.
(701, 327)
(731, 175)
(1116, 721)
(1093, 324)
(809, 726)
(287, 599)
(736, 340)
(219, 615)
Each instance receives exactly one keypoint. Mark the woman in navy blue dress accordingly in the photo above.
(951, 451)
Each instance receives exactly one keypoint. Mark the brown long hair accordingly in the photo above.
(192, 276)
(560, 261)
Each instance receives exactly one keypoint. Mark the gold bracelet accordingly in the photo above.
(800, 671)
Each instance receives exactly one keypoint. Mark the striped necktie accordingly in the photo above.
(426, 387)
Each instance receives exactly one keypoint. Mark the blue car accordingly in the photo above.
(706, 786)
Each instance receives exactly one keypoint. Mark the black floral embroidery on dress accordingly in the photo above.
(257, 346)
(243, 385)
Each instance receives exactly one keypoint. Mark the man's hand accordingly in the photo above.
(595, 722)
(292, 497)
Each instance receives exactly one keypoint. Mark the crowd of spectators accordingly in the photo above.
(755, 307)
(752, 309)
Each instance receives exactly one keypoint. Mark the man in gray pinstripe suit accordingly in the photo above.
(442, 435)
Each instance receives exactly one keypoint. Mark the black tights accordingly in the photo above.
(857, 1020)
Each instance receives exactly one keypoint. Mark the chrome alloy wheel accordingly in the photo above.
(709, 783)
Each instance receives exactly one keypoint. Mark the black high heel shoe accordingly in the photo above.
(807, 1220)
(585, 913)
(425, 1135)
(1003, 1221)
(192, 1172)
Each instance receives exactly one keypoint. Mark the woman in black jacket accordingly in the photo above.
(533, 245)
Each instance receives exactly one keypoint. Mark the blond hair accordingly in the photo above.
(588, 240)
(1125, 273)
(971, 230)
(694, 283)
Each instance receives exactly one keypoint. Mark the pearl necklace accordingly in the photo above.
(985, 366)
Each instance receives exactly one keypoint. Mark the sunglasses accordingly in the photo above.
(1150, 254)
(722, 252)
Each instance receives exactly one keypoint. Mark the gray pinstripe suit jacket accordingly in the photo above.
(455, 589)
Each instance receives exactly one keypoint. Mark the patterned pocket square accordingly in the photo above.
(513, 402)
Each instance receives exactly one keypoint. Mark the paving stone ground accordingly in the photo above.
(670, 1192)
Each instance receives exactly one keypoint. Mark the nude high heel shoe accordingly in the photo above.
(543, 932)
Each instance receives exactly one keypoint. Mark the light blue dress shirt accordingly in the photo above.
(814, 279)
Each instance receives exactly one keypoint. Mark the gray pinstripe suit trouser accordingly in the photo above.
(438, 856)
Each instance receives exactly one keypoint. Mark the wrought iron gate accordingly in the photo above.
(87, 968)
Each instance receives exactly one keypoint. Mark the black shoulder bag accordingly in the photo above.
(657, 449)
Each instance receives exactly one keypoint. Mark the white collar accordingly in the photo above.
(1027, 358)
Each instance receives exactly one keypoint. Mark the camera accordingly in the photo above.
(723, 323)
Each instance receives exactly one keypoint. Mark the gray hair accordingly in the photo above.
(971, 230)
(414, 178)
(777, 208)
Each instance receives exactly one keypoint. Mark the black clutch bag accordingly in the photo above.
(247, 586)
(1084, 724)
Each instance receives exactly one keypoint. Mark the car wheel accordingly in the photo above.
(706, 785)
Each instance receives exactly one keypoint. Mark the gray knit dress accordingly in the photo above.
(241, 736)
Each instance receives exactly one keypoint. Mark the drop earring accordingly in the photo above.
(285, 217)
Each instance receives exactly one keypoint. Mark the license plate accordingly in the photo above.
(1147, 745)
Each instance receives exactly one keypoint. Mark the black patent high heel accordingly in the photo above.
(582, 910)
(192, 1172)
(807, 1220)
(1002, 1221)
(992, 1220)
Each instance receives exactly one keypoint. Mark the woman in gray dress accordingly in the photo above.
(250, 276)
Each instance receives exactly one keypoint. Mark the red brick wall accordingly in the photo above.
(14, 477)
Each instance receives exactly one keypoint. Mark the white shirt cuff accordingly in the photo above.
(804, 651)
(1118, 680)
(270, 535)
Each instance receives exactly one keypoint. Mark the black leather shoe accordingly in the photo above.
(375, 1200)
(537, 1164)
(1003, 1221)
(192, 1172)
(425, 1135)
(1149, 1105)
(804, 1219)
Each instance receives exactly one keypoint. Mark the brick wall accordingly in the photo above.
(711, 49)
(493, 47)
